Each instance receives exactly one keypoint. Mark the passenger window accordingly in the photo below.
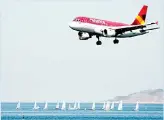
(78, 20)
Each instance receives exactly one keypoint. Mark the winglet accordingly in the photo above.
(154, 23)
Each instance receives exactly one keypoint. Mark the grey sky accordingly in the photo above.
(42, 58)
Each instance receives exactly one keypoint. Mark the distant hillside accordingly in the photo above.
(145, 96)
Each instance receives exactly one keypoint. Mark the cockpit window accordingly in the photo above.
(76, 19)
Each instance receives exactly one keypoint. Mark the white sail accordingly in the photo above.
(112, 106)
(72, 108)
(63, 106)
(35, 106)
(120, 106)
(18, 105)
(103, 106)
(69, 106)
(107, 107)
(93, 106)
(137, 106)
(46, 106)
(57, 106)
(0, 109)
(74, 105)
(78, 105)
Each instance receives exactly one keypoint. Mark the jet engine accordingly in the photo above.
(105, 32)
(83, 36)
(109, 32)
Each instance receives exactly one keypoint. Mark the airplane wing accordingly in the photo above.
(123, 29)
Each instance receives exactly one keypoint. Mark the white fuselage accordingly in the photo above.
(90, 28)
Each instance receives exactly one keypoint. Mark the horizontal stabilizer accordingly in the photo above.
(152, 28)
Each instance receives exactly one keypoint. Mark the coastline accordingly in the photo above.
(126, 102)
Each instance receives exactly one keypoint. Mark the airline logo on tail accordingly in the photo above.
(140, 19)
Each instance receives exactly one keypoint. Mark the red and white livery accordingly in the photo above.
(88, 27)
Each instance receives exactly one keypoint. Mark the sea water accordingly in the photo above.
(145, 112)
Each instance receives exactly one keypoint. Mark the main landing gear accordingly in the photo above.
(98, 42)
(116, 41)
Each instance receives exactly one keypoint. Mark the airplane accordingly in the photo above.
(88, 27)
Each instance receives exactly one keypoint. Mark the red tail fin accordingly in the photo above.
(140, 18)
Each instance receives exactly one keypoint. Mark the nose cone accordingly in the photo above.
(71, 25)
(74, 25)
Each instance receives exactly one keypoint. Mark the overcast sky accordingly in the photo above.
(41, 58)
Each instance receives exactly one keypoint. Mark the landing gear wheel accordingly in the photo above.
(98, 42)
(115, 41)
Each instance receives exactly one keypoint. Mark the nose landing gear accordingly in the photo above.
(98, 42)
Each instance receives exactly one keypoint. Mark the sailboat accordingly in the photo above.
(112, 106)
(103, 106)
(18, 105)
(120, 106)
(45, 106)
(35, 106)
(78, 106)
(74, 107)
(63, 106)
(107, 107)
(137, 107)
(0, 108)
(93, 106)
(57, 106)
(71, 108)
